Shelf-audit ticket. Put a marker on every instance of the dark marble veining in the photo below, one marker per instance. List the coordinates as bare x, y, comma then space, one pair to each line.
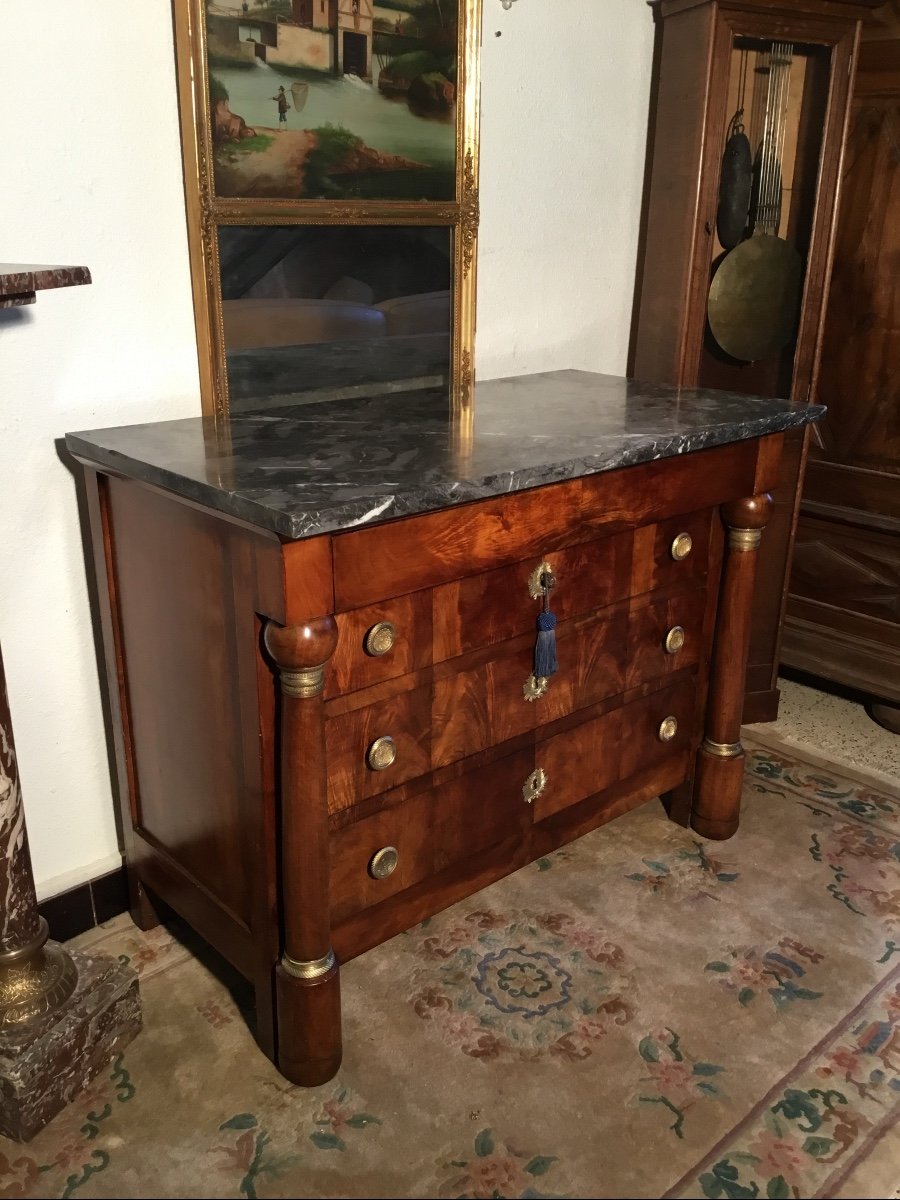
308, 469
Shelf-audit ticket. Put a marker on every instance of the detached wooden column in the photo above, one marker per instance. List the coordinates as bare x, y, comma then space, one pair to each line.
720, 762
308, 995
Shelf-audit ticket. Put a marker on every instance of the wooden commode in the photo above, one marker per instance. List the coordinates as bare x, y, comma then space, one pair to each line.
320, 629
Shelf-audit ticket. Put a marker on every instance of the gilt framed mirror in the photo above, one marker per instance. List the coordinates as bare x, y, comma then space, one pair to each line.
331, 180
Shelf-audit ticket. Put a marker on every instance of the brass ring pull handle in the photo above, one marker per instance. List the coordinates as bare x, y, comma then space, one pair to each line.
540, 578
534, 785
381, 754
380, 639
675, 639
681, 547
668, 729
535, 687
384, 862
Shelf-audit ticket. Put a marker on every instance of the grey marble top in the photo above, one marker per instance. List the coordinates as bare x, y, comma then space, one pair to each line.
304, 469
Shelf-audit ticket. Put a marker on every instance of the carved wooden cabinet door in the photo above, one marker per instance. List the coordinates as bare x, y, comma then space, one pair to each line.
844, 611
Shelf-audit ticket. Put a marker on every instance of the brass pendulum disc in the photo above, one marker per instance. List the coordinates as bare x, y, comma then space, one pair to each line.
754, 300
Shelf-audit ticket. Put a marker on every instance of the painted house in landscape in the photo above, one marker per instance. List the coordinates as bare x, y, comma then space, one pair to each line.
370, 87
324, 35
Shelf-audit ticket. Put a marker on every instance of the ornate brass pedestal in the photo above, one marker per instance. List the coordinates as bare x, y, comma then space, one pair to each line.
62, 1016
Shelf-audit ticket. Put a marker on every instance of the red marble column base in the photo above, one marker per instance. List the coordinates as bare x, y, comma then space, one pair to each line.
46, 1062
309, 1026
719, 784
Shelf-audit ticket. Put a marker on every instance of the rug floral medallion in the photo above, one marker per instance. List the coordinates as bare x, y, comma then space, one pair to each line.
641, 1014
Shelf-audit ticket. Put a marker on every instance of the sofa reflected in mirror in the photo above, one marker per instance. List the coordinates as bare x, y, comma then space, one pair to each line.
313, 313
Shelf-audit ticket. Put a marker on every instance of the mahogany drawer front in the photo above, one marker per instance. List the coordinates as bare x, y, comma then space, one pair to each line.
665, 636
429, 832
405, 718
424, 551
361, 659
593, 756
485, 704
482, 610
643, 742
656, 566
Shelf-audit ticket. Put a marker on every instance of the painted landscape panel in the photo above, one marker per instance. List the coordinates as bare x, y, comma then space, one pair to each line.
333, 99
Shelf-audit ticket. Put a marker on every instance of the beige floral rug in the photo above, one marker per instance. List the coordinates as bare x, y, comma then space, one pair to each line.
639, 1015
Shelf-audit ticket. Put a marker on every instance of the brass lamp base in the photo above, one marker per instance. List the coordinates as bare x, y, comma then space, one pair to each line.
48, 1058
34, 980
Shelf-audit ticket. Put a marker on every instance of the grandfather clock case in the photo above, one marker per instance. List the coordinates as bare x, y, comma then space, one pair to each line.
748, 124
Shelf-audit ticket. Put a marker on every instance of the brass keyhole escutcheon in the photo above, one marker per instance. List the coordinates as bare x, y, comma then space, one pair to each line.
540, 578
668, 729
534, 785
384, 862
535, 687
682, 546
380, 639
675, 639
382, 753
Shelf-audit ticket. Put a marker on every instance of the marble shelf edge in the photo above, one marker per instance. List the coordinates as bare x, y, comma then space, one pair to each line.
20, 282
384, 504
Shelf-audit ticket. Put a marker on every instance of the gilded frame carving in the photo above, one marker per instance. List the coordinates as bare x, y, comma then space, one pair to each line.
206, 212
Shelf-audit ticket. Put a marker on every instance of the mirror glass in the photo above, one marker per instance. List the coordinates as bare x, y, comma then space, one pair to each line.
319, 312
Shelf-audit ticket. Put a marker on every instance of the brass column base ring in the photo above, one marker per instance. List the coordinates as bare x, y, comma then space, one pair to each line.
35, 986
723, 749
309, 970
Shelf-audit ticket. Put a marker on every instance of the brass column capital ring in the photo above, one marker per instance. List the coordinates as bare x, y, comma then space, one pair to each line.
303, 684
744, 540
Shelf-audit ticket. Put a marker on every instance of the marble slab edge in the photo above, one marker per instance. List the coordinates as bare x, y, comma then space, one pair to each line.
378, 507
20, 278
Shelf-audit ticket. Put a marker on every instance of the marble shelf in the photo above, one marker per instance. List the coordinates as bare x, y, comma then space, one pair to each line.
303, 469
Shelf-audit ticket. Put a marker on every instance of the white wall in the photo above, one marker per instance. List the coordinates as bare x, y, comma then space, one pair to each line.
563, 140
92, 175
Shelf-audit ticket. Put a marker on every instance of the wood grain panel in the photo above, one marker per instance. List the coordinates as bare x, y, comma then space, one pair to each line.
484, 704
406, 718
308, 587
670, 487
182, 641
431, 832
844, 607
474, 871
857, 570
647, 630
653, 565
352, 668
375, 564
642, 749
492, 607
580, 762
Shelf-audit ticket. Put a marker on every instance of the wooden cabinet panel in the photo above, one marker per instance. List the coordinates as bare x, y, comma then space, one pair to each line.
648, 629
190, 645
430, 833
844, 607
492, 607
654, 566
592, 652
857, 570
483, 704
579, 762
644, 748
352, 667
405, 718
372, 564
